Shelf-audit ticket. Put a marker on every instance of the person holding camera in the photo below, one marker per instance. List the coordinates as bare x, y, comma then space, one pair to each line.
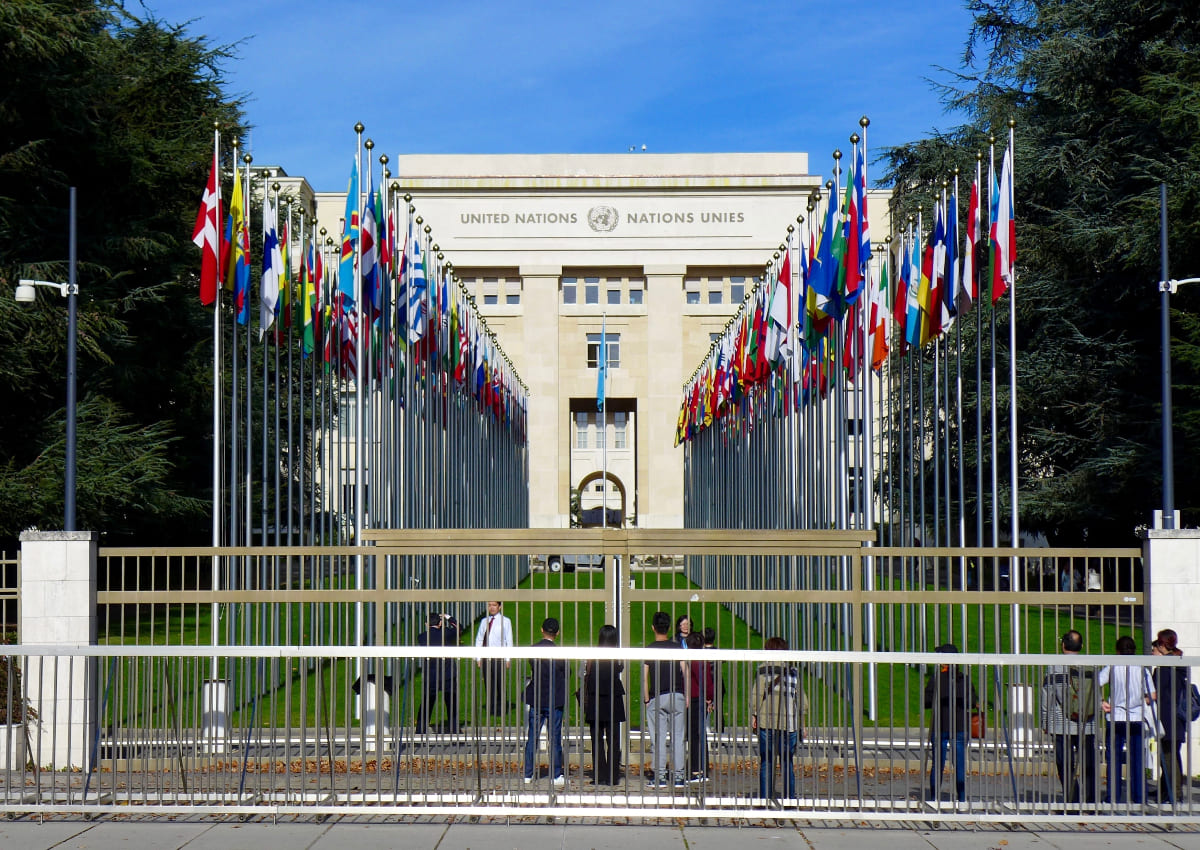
441, 674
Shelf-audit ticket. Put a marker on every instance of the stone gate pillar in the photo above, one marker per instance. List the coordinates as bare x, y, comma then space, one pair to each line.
58, 608
1171, 560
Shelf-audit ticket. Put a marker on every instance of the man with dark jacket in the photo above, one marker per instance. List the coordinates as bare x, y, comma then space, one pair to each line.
441, 674
951, 696
546, 695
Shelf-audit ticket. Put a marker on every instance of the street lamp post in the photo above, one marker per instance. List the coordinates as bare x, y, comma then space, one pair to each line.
1167, 287
26, 293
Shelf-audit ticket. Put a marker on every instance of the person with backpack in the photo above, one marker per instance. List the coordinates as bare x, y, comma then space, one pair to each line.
1069, 700
777, 708
1128, 710
1175, 713
951, 696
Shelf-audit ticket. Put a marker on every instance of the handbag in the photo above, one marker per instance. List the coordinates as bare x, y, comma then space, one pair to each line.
978, 724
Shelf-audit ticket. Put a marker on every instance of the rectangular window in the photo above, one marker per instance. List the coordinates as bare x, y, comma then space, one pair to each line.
614, 296
619, 421
614, 350
636, 288
512, 298
854, 426
714, 296
591, 290
693, 298
490, 298
568, 290
691, 288
737, 290
581, 430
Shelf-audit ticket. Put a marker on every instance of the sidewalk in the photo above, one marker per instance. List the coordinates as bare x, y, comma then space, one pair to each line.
366, 833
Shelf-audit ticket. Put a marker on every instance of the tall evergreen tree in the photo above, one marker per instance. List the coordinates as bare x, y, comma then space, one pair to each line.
123, 109
1105, 95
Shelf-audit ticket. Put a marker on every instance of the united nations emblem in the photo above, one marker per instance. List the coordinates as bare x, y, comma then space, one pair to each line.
603, 219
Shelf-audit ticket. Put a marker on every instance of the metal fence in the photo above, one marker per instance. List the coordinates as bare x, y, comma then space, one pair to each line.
298, 677
175, 729
10, 596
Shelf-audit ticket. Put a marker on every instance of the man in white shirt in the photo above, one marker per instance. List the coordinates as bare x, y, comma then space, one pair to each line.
494, 630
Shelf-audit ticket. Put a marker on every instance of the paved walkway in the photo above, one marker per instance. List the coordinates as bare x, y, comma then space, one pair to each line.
363, 833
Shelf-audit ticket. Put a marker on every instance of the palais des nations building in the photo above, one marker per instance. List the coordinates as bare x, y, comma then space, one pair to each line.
665, 246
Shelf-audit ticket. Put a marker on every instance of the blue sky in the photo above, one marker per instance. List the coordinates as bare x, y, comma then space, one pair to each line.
488, 76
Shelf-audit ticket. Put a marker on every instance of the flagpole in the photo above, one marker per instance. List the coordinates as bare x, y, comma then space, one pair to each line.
1012, 392
214, 611
359, 443
1012, 347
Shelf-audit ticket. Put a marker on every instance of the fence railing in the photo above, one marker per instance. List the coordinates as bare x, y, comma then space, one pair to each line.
10, 595
339, 729
819, 590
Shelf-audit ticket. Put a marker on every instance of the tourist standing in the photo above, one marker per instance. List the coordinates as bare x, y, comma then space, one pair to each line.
1171, 684
441, 674
495, 630
546, 695
1128, 709
777, 709
664, 695
1069, 703
950, 694
604, 710
700, 697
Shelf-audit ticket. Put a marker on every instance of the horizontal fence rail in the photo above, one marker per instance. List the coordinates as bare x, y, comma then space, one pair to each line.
289, 729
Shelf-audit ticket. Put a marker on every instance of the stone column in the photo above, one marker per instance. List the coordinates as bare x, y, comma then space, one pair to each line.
660, 464
58, 608
1171, 561
549, 464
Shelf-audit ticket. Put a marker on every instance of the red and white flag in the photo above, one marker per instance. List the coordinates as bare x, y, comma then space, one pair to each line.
205, 236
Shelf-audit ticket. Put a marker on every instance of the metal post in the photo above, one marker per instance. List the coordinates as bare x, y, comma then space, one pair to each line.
72, 297
1168, 448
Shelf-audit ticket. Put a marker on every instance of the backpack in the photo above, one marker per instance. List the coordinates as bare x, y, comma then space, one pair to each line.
1188, 706
1079, 696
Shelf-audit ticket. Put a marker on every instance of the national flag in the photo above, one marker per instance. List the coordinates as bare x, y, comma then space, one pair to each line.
371, 288
350, 234
238, 273
415, 284
779, 345
1004, 231
850, 270
926, 295
283, 305
968, 292
268, 291
951, 270
912, 312
900, 301
879, 319
823, 286
206, 235
939, 317
860, 203
308, 301
601, 364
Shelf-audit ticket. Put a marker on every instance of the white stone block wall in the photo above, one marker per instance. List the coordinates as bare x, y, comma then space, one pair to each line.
58, 608
1172, 579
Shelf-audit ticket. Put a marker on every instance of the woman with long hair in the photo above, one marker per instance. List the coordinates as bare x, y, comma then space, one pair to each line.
604, 710
1170, 683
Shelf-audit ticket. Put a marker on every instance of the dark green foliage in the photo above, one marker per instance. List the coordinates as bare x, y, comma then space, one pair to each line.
1105, 95
124, 110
